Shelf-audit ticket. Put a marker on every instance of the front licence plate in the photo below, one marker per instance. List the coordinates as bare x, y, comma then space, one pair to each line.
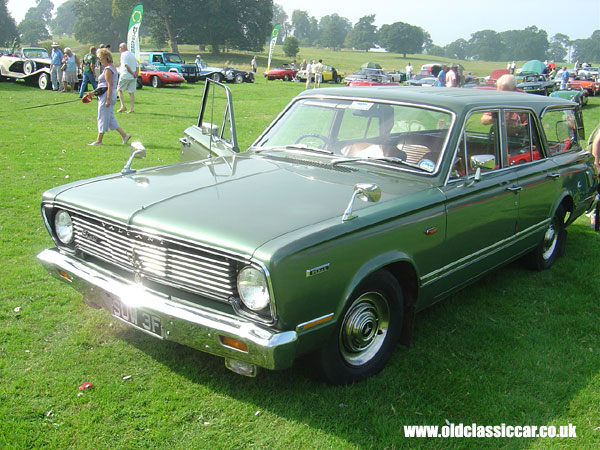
139, 319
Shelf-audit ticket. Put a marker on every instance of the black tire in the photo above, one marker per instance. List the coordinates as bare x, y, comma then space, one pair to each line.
155, 81
366, 332
44, 82
286, 77
338, 79
552, 244
217, 77
239, 78
139, 84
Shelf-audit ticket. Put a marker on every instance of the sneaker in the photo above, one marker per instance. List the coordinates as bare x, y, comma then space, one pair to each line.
95, 143
126, 138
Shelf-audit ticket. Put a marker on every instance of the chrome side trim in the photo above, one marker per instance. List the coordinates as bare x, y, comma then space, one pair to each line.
449, 269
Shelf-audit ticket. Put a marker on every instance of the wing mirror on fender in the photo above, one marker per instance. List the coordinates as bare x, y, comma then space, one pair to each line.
366, 192
139, 151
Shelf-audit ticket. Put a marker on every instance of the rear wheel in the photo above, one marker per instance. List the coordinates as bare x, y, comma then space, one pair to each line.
217, 77
552, 244
366, 333
239, 78
44, 81
286, 77
156, 83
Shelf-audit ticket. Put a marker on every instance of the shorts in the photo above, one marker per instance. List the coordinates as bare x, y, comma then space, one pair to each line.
318, 77
127, 84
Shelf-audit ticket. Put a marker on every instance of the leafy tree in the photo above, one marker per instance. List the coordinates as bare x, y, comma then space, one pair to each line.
436, 50
559, 45
96, 24
364, 34
301, 24
486, 45
41, 12
65, 18
587, 49
32, 31
280, 17
401, 37
291, 47
530, 43
333, 30
8, 27
457, 49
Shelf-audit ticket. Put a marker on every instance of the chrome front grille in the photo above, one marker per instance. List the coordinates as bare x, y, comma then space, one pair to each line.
158, 259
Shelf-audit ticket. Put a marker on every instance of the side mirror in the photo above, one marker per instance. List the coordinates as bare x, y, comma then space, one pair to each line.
139, 151
367, 192
479, 162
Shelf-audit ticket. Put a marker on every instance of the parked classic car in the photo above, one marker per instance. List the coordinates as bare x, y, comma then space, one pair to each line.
151, 76
329, 74
31, 64
574, 92
533, 83
355, 209
368, 74
590, 84
170, 62
422, 81
286, 73
238, 76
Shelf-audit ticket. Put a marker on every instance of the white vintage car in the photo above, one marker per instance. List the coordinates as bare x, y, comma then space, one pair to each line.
31, 64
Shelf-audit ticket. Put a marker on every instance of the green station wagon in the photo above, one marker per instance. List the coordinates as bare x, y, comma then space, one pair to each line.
355, 209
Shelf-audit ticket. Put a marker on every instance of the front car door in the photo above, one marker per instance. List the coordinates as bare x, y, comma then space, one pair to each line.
481, 207
214, 134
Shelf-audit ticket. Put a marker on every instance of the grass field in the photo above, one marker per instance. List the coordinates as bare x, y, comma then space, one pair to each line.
518, 347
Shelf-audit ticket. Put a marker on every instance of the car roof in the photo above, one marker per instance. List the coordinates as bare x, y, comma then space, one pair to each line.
455, 99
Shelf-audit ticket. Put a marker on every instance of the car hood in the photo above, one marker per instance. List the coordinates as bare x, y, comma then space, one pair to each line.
237, 203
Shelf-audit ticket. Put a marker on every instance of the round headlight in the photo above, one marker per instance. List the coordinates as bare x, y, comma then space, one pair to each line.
64, 227
253, 289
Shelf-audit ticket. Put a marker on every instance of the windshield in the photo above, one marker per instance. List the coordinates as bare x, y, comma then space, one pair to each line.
173, 58
35, 53
363, 130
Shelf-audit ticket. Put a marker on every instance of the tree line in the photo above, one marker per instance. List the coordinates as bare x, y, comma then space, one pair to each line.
246, 25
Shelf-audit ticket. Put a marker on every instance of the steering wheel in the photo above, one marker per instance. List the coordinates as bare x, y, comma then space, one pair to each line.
322, 138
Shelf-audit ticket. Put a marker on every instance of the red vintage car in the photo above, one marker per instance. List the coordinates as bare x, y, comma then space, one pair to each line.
372, 83
591, 86
150, 75
286, 73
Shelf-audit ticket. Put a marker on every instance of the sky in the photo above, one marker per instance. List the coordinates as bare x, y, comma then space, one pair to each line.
444, 20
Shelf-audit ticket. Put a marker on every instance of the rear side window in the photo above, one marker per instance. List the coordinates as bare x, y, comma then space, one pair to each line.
560, 127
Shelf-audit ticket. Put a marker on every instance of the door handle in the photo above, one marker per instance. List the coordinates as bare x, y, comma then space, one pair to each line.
554, 175
514, 189
184, 141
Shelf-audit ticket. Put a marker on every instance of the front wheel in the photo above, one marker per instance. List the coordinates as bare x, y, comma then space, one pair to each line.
366, 332
552, 244
44, 81
239, 78
156, 83
286, 77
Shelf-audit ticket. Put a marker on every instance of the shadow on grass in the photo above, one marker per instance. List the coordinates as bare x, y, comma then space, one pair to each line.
517, 347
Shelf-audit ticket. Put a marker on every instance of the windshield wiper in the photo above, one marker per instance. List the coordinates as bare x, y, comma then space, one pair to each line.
294, 147
391, 159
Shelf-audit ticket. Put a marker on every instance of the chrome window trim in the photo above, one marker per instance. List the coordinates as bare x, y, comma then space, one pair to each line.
443, 150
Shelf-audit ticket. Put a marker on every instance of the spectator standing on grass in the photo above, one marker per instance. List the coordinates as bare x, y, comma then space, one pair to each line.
594, 147
303, 65
441, 82
108, 79
309, 69
564, 79
88, 68
254, 64
451, 80
128, 73
199, 63
56, 57
318, 73
71, 63
409, 70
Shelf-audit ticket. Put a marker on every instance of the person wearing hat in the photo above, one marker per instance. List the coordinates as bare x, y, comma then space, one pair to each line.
199, 62
56, 57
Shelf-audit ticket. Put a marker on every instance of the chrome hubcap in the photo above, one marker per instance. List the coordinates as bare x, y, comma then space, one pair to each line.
550, 240
364, 328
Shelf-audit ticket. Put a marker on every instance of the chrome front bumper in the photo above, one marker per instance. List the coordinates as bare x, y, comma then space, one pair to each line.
193, 326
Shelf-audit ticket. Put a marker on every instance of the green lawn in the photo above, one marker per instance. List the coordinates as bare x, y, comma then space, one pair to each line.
518, 347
